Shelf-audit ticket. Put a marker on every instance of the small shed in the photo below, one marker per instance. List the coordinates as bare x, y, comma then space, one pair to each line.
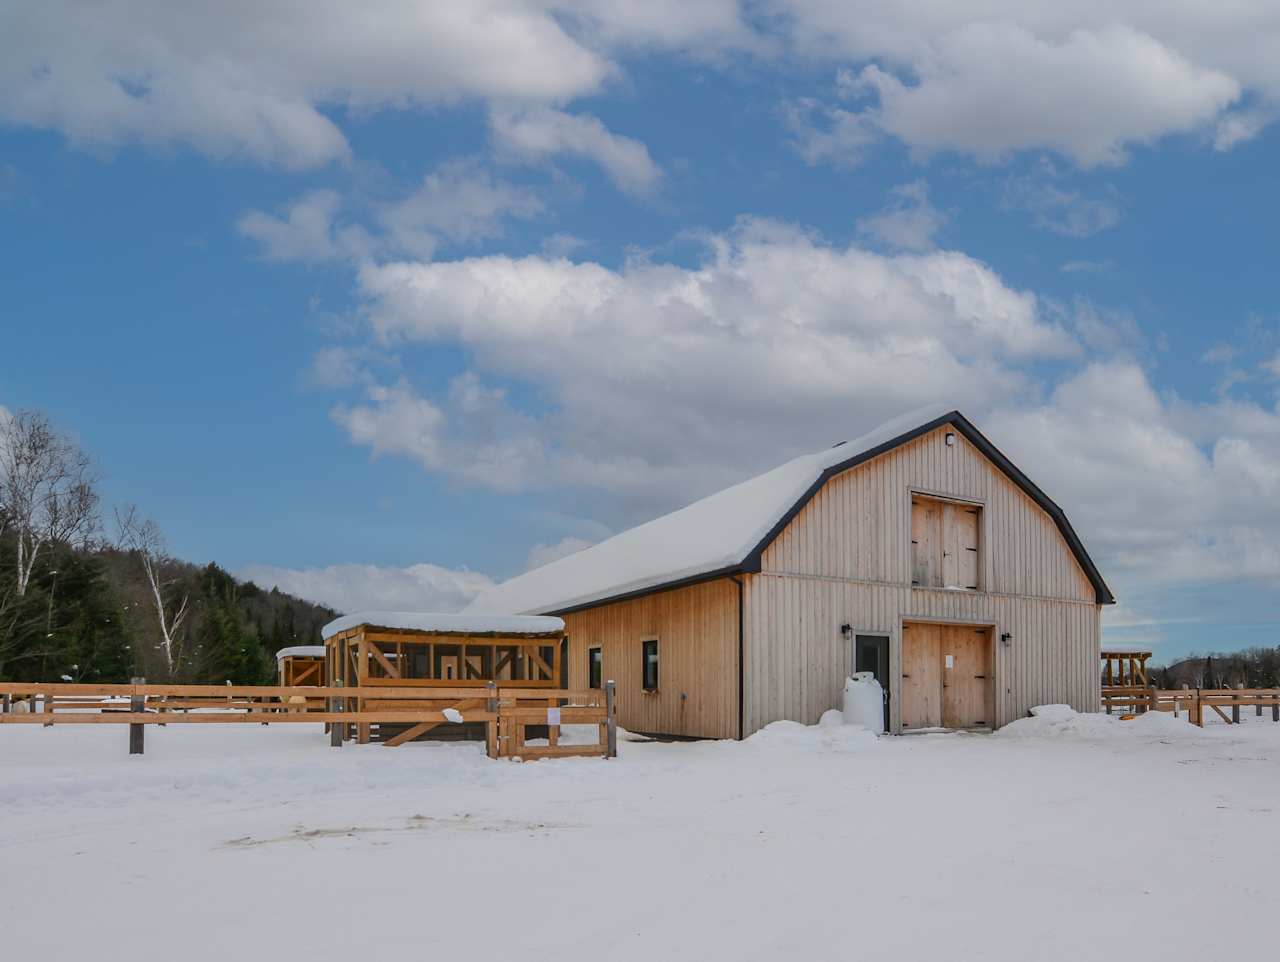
301, 665
402, 649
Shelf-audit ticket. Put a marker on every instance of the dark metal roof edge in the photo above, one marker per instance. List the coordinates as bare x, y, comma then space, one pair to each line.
651, 590
752, 562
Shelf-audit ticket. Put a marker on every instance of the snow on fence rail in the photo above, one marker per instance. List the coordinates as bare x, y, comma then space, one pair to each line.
1193, 701
402, 714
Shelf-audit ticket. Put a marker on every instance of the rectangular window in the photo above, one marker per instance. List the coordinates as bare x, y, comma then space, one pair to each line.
594, 666
649, 664
945, 543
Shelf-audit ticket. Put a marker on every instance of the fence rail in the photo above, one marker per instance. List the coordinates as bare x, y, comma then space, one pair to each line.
405, 712
1193, 701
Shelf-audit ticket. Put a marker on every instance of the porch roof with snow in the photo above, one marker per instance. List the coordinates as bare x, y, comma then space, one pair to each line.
727, 532
301, 651
435, 623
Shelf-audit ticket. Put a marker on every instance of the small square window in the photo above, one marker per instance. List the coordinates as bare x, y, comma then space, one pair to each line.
594, 665
649, 664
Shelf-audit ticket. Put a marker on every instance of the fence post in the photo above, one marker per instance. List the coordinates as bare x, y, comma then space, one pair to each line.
336, 729
137, 703
6, 704
611, 707
1275, 706
491, 726
1235, 708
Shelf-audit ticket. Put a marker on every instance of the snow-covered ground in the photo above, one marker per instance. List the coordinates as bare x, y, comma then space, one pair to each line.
1074, 838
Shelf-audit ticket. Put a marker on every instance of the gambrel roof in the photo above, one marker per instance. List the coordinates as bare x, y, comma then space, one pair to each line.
727, 532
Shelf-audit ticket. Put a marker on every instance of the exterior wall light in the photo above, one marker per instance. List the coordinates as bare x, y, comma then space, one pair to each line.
846, 630
1005, 639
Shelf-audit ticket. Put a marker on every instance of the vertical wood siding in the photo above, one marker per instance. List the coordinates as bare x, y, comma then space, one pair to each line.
846, 559
697, 632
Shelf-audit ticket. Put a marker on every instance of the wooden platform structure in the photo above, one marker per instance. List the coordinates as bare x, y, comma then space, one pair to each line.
439, 655
301, 665
1124, 668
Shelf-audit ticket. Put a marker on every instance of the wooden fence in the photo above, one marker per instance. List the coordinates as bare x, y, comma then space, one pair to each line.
1193, 701
401, 714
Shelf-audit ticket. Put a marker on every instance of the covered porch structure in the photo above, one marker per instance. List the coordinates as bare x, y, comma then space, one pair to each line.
444, 652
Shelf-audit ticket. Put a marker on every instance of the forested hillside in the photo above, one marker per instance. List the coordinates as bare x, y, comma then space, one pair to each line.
91, 599
89, 615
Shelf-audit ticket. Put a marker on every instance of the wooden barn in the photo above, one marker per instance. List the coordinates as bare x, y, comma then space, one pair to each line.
919, 552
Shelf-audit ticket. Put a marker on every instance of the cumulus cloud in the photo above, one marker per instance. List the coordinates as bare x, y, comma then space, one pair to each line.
1170, 492
774, 335
1057, 95
353, 587
542, 133
1088, 79
257, 80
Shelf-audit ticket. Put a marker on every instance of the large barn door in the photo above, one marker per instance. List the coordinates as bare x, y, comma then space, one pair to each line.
966, 674
921, 676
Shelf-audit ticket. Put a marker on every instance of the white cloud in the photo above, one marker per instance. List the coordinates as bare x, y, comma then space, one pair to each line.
1169, 492
826, 134
542, 133
1272, 366
472, 434
1089, 79
1241, 126
256, 79
306, 231
544, 554
458, 204
909, 222
775, 335
1059, 95
354, 587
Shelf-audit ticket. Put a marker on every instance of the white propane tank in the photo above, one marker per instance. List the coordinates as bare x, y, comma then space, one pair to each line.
864, 702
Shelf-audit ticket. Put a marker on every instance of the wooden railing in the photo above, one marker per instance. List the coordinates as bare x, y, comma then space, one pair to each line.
506, 712
1193, 701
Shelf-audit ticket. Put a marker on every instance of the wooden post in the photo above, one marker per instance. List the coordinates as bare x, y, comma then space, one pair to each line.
1235, 709
611, 705
362, 678
137, 703
1275, 706
491, 726
6, 704
336, 729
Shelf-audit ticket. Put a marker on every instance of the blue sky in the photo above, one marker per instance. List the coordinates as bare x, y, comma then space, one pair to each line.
378, 310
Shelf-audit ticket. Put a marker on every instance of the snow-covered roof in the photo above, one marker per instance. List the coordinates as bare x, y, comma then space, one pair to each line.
461, 624
718, 532
726, 531
300, 651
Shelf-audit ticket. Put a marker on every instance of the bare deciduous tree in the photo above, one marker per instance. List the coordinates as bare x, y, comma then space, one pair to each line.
47, 489
144, 538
